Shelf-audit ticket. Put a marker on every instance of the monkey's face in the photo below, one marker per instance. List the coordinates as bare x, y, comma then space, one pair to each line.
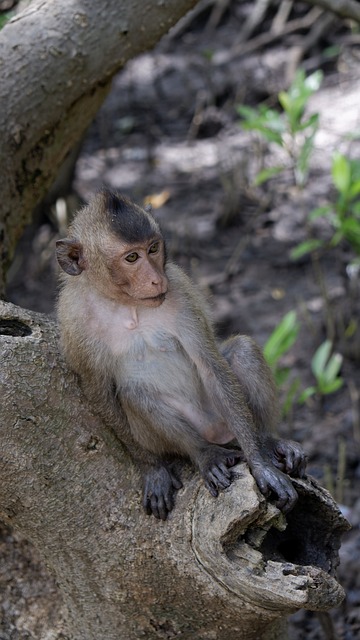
137, 272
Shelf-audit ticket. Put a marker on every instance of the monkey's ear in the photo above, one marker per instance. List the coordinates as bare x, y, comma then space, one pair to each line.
69, 253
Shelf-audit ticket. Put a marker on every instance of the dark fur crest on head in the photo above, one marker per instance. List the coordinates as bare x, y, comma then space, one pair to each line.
132, 223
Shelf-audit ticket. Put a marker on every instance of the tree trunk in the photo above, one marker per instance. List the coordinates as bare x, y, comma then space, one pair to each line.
57, 60
228, 568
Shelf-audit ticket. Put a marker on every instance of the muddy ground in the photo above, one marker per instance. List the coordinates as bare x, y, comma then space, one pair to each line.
169, 132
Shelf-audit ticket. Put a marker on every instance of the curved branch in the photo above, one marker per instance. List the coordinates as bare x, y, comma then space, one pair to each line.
57, 61
66, 484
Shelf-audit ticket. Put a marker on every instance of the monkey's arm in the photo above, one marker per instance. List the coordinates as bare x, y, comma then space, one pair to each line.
223, 387
159, 481
257, 383
227, 395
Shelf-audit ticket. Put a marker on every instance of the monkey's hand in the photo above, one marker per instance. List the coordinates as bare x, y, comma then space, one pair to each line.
158, 493
289, 457
271, 482
215, 465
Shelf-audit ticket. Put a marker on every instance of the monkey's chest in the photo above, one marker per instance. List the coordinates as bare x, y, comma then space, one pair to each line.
159, 360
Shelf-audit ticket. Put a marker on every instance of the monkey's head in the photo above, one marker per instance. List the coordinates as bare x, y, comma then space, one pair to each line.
119, 248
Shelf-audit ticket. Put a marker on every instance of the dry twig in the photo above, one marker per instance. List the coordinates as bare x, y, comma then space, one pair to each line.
267, 38
343, 8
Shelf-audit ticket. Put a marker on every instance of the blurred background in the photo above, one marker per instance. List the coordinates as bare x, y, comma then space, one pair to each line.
242, 130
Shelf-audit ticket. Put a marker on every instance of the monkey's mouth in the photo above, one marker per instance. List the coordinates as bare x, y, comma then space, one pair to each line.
160, 298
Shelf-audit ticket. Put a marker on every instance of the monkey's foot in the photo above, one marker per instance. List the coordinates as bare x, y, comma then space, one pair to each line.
215, 467
160, 485
273, 482
290, 457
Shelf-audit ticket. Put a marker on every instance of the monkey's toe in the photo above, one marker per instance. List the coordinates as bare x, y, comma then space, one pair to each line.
217, 478
160, 485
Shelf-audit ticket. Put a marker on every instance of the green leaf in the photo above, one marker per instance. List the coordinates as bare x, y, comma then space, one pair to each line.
267, 122
354, 189
282, 338
266, 174
355, 209
308, 246
281, 375
306, 394
268, 134
351, 230
333, 367
337, 237
351, 328
314, 80
4, 18
341, 173
285, 100
331, 387
312, 122
320, 358
295, 99
247, 112
319, 212
290, 397
302, 163
326, 369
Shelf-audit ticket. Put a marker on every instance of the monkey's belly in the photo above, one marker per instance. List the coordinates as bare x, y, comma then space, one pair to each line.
206, 422
171, 378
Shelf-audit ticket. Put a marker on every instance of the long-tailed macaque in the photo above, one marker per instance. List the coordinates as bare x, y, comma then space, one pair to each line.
137, 332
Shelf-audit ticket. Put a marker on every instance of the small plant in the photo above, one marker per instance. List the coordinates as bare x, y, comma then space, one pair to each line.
324, 365
335, 482
281, 340
326, 368
344, 214
4, 18
290, 129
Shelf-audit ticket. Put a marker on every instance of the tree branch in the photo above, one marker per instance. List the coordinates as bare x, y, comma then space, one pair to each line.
68, 486
57, 61
343, 8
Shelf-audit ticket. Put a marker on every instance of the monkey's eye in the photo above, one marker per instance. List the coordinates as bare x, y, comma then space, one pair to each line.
132, 257
154, 247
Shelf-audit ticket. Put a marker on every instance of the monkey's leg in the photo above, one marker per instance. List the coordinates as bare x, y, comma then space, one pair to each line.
159, 486
159, 481
256, 380
159, 424
215, 463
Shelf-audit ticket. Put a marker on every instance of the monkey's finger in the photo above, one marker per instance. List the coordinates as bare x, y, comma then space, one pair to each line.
290, 457
220, 477
169, 501
286, 502
147, 508
287, 496
151, 508
157, 507
223, 476
262, 484
300, 466
176, 483
150, 504
232, 457
211, 487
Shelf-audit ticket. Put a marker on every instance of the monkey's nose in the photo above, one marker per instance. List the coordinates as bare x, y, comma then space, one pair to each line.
159, 283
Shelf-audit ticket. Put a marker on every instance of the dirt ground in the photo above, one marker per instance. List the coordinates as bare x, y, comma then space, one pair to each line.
169, 132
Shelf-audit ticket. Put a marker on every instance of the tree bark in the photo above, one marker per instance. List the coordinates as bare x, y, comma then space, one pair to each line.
226, 568
57, 60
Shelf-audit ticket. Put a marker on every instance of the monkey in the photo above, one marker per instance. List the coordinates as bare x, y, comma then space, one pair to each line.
139, 335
